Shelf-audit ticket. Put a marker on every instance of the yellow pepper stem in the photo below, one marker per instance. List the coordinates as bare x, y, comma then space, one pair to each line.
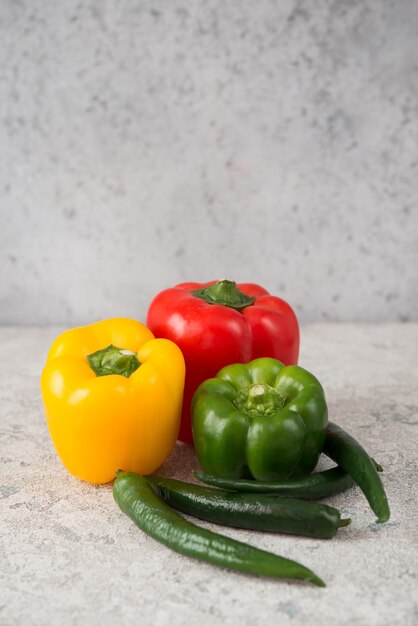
113, 360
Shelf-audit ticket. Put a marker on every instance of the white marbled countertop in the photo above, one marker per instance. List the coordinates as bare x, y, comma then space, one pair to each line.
68, 555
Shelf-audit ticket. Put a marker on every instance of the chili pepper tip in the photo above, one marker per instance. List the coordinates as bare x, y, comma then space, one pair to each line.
317, 581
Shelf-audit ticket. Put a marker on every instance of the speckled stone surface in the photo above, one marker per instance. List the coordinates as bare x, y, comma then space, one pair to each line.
69, 556
273, 142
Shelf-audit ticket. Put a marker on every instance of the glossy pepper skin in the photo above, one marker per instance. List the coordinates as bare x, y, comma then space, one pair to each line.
219, 323
261, 419
100, 423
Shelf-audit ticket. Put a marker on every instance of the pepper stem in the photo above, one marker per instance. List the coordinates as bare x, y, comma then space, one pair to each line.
113, 360
344, 522
259, 399
224, 292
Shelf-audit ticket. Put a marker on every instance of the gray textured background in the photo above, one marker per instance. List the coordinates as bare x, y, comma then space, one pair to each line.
149, 142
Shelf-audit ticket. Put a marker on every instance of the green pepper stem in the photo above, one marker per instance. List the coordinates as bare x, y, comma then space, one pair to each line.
259, 399
113, 360
226, 293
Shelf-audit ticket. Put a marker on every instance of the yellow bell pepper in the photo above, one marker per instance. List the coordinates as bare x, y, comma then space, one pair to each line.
101, 421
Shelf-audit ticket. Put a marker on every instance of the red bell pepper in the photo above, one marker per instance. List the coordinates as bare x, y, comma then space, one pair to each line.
219, 323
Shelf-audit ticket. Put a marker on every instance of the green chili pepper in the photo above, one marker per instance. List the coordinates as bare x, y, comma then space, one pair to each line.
257, 512
260, 419
136, 498
351, 456
313, 487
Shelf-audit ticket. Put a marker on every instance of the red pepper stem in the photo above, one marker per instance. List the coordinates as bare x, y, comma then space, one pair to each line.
226, 293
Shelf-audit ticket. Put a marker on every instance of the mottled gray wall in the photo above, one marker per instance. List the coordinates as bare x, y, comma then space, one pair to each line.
149, 142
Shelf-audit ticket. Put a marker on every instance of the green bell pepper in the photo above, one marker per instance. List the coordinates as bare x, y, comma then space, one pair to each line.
260, 419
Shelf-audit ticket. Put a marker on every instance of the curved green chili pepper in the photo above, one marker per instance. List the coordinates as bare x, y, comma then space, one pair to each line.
254, 511
351, 456
313, 487
136, 498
